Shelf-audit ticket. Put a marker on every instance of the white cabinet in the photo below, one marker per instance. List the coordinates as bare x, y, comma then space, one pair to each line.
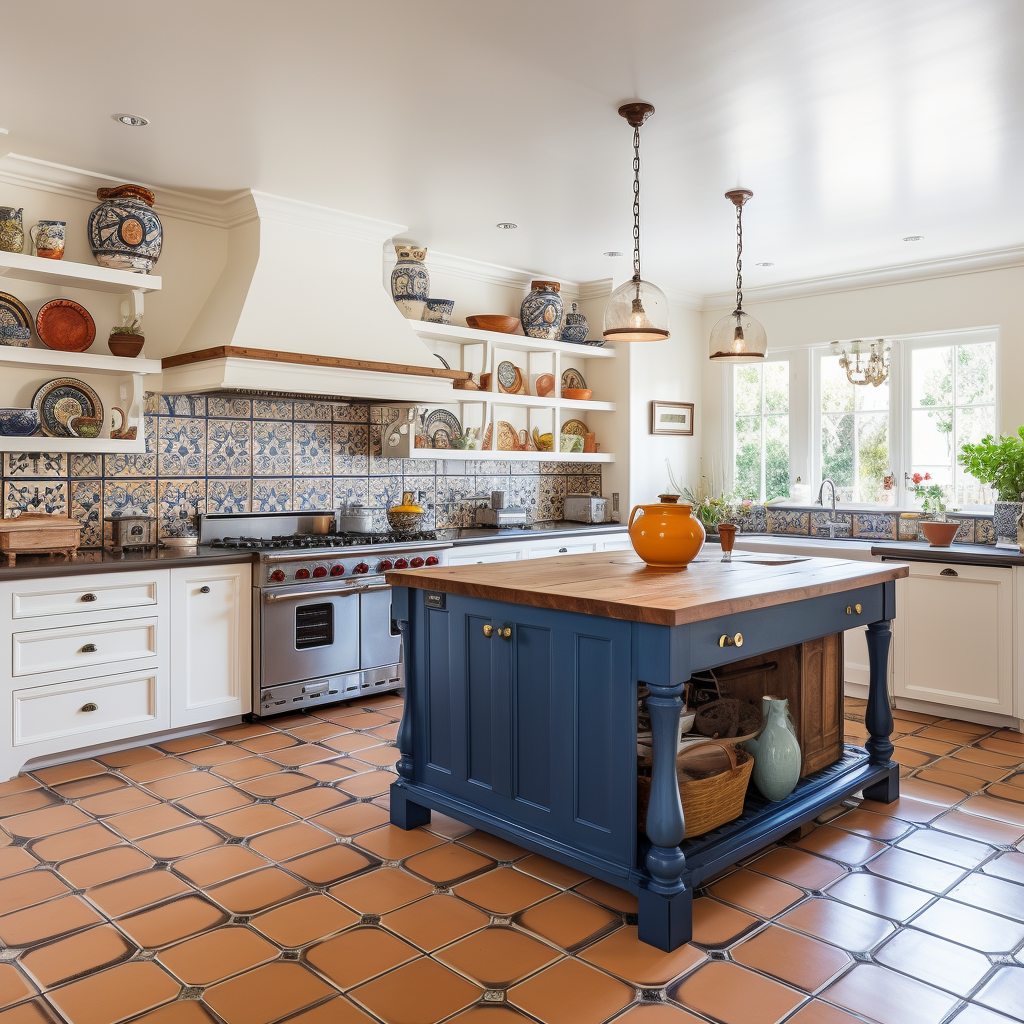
954, 641
569, 546
211, 650
615, 542
479, 554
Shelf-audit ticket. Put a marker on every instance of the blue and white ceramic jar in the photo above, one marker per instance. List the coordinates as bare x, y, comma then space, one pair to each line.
574, 327
541, 312
124, 232
410, 279
12, 229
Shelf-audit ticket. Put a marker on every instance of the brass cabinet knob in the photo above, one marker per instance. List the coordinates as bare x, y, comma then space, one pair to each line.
505, 632
89, 649
730, 641
89, 597
856, 608
90, 707
488, 630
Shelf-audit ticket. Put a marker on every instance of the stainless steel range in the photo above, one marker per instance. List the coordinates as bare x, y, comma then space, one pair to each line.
322, 629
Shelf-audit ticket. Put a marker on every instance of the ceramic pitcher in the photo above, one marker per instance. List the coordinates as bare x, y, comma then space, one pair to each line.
12, 229
667, 536
776, 751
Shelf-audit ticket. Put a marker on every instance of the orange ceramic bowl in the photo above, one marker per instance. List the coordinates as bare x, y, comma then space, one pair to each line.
667, 536
577, 394
502, 324
939, 535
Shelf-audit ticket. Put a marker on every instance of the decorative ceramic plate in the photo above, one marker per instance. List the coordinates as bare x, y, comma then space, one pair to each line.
443, 428
14, 312
60, 400
577, 427
510, 378
508, 439
573, 379
545, 385
65, 326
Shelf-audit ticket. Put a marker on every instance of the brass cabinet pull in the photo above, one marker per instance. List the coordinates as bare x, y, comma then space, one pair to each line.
730, 641
204, 590
89, 649
505, 632
856, 608
90, 707
488, 631
89, 597
949, 572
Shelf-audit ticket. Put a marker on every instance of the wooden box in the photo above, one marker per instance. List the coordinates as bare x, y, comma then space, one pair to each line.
37, 533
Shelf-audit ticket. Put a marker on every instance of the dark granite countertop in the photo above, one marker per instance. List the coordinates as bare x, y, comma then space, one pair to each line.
957, 554
560, 528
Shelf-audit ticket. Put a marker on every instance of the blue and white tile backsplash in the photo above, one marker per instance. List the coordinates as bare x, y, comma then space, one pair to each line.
232, 454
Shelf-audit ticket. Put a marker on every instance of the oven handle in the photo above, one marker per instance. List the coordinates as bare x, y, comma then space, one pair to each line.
312, 595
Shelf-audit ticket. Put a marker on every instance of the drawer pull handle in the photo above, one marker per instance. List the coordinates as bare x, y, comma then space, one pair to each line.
730, 641
856, 608
204, 590
488, 631
949, 572
90, 707
89, 597
89, 649
505, 632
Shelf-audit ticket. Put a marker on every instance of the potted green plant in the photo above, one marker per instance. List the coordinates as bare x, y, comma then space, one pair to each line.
1000, 463
128, 339
936, 529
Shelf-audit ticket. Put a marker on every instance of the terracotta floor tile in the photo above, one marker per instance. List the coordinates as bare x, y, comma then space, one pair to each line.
14, 986
715, 924
301, 754
218, 864
392, 843
115, 994
843, 926
359, 954
446, 864
435, 921
329, 865
266, 994
1004, 991
817, 1012
960, 766
365, 720
125, 895
1001, 746
888, 997
216, 955
610, 896
1005, 792
348, 742
934, 961
171, 922
310, 802
117, 801
69, 772
492, 846
64, 845
163, 767
90, 786
992, 807
352, 819
186, 744
550, 871
125, 758
381, 756
954, 780
798, 868
34, 924
339, 1010
879, 895
622, 954
90, 950
105, 866
278, 784
14, 860
971, 927
971, 826
291, 841
912, 869
906, 808
186, 784
246, 769
183, 1011
1009, 735
841, 846
567, 920
251, 821
326, 771
1007, 865
924, 744
45, 822
912, 758
19, 784
303, 920
179, 842
989, 757
654, 1013
875, 826
211, 756
149, 821
945, 847
255, 891
756, 893
421, 992
734, 995
504, 891
216, 801
368, 784
317, 731
30, 800
796, 959
993, 894
265, 740
387, 732
26, 890
930, 793
380, 891
498, 957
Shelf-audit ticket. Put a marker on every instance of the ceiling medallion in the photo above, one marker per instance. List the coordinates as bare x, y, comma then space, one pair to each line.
875, 370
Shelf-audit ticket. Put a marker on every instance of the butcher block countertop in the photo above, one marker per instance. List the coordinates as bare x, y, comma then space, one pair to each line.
618, 585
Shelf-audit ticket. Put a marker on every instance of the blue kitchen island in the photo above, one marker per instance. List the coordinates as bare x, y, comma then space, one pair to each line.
521, 704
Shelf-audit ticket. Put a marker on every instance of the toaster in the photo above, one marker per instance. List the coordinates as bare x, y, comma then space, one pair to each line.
580, 508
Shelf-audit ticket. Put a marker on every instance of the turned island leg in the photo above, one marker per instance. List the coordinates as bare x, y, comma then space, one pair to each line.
404, 813
878, 717
666, 905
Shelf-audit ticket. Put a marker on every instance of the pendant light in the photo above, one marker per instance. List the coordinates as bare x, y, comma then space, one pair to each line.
636, 310
738, 337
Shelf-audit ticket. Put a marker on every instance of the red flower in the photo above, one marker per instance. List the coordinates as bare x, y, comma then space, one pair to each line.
927, 476
917, 478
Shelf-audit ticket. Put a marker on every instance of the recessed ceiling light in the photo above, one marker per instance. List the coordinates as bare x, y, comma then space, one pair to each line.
506, 225
764, 264
132, 120
613, 253
4, 131
913, 238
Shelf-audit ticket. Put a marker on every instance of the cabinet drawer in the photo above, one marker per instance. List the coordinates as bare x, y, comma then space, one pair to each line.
38, 598
84, 646
567, 547
74, 709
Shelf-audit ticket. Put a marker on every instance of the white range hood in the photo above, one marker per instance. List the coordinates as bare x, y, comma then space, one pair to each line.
301, 308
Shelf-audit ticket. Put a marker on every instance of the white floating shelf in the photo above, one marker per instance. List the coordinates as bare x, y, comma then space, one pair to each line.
531, 401
75, 275
49, 360
461, 453
514, 342
41, 443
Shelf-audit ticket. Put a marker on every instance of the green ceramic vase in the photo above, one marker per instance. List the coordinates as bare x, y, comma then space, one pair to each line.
776, 751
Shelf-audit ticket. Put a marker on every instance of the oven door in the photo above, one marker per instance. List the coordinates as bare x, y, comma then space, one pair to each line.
306, 633
380, 642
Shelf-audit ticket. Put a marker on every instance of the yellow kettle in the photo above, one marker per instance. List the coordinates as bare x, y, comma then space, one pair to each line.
667, 536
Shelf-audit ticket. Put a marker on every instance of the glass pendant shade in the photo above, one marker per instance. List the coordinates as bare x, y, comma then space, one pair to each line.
738, 338
636, 311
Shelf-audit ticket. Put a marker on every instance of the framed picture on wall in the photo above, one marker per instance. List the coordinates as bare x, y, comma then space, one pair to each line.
672, 418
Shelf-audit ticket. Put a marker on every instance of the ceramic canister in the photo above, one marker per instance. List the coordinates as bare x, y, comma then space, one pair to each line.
12, 229
574, 327
48, 238
124, 231
410, 279
541, 312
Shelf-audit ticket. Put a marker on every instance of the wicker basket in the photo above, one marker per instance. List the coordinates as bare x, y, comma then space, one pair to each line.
713, 779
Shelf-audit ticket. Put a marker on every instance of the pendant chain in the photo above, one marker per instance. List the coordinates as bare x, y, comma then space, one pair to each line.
739, 257
636, 203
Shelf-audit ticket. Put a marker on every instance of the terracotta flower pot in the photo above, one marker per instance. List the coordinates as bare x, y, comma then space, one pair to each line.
127, 345
939, 535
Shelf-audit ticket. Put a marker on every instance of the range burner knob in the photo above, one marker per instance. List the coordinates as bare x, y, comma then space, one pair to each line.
337, 570
384, 565
320, 571
361, 568
432, 560
277, 576
401, 563
416, 562
302, 574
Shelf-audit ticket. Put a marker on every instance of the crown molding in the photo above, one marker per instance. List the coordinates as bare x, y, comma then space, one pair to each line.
324, 218
599, 289
493, 273
926, 270
689, 300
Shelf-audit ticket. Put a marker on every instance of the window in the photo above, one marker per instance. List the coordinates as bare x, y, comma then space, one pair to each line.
761, 430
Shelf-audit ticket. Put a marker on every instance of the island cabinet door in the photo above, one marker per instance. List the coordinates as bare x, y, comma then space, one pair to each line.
536, 721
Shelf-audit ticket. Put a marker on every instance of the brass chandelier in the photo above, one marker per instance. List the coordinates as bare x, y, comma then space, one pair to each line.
875, 369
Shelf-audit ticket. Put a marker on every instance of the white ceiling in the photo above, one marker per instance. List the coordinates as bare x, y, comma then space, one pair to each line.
854, 123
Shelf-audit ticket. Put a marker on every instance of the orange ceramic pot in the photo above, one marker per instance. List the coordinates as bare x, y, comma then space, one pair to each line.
666, 535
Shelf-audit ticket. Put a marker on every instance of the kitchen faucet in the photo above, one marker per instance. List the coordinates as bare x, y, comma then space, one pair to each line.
833, 526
